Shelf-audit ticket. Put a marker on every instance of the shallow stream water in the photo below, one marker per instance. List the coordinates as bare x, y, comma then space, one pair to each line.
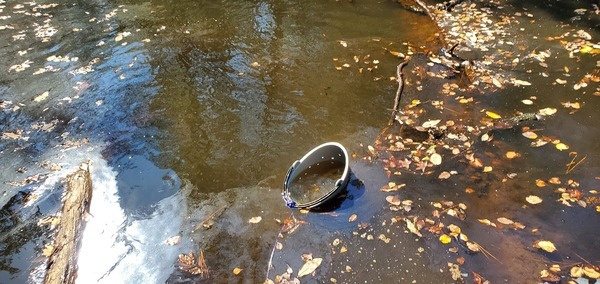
189, 108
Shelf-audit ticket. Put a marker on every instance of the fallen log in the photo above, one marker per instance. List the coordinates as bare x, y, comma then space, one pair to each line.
62, 262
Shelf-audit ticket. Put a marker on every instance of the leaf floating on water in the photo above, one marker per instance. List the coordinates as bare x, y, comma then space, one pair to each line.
309, 267
532, 199
412, 228
431, 123
444, 175
547, 111
493, 115
530, 135
549, 276
591, 272
545, 245
518, 82
445, 239
436, 159
512, 155
527, 102
237, 271
394, 200
255, 220
562, 146
486, 222
48, 250
576, 271
540, 183
352, 218
505, 221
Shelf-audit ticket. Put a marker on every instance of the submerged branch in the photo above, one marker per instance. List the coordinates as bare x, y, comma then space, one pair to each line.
400, 80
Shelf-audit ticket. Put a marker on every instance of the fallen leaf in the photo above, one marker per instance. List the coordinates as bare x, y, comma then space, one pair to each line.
436, 159
444, 175
545, 245
554, 180
505, 221
532, 199
518, 82
48, 249
352, 218
540, 183
527, 102
278, 246
431, 123
591, 272
512, 155
576, 271
309, 267
412, 228
394, 200
445, 239
237, 271
486, 222
493, 115
562, 146
487, 169
547, 111
530, 134
255, 220
549, 276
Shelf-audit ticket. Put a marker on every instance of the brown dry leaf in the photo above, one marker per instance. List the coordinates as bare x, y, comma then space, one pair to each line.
444, 175
309, 267
394, 200
530, 135
545, 245
412, 228
255, 220
505, 221
532, 199
549, 276
237, 271
352, 218
554, 180
540, 183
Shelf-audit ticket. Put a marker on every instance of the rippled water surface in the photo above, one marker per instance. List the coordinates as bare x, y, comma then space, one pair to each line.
194, 110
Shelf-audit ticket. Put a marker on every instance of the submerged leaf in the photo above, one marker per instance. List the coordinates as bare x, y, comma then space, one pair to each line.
309, 267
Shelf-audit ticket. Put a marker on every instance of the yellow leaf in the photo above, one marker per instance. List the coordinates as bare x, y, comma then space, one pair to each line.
562, 146
237, 271
576, 271
527, 102
397, 54
487, 169
445, 239
512, 155
309, 267
591, 272
545, 245
486, 222
532, 199
493, 115
352, 218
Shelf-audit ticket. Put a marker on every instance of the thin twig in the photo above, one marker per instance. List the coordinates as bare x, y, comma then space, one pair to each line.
424, 7
208, 218
572, 165
400, 80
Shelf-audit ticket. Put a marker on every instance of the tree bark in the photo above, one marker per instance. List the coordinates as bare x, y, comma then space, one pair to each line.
62, 262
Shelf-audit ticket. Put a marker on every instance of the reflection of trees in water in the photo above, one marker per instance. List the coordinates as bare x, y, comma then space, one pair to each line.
18, 228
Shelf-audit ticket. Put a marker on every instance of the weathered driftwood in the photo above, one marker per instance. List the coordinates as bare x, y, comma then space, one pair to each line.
62, 263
